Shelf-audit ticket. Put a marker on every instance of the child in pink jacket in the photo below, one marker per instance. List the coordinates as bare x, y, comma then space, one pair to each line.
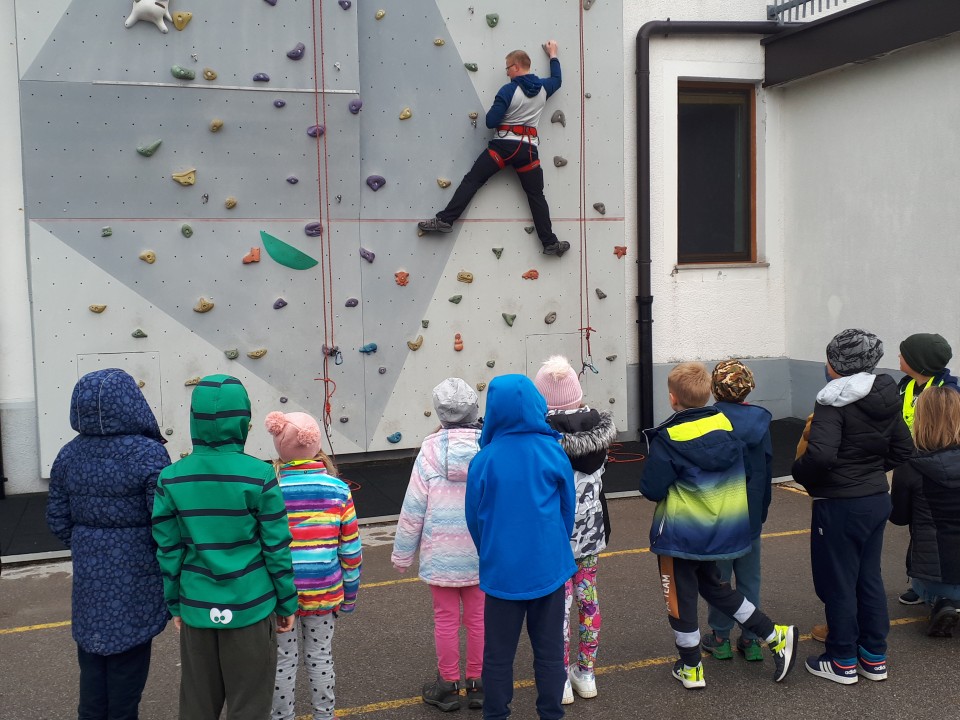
432, 518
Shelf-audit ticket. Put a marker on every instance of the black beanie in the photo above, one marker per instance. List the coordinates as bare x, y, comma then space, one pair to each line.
926, 353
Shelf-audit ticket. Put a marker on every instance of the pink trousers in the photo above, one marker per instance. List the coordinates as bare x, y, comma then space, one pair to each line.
447, 621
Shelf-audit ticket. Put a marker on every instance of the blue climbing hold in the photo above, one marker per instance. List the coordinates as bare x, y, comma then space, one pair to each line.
394, 438
355, 106
261, 77
297, 51
369, 348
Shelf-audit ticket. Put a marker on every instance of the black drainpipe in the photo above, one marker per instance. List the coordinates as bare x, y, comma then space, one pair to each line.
3, 477
645, 299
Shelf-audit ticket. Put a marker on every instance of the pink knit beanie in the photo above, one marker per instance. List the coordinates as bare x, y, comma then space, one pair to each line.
557, 381
296, 435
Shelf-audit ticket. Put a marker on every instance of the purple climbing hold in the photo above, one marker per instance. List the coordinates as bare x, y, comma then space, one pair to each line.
293, 179
297, 52
345, 4
355, 105
279, 103
316, 130
367, 255
280, 303
351, 302
376, 182
261, 77
314, 229
272, 3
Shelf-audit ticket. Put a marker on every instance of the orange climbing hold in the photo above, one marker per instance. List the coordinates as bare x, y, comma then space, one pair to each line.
457, 342
531, 275
252, 256
402, 277
619, 250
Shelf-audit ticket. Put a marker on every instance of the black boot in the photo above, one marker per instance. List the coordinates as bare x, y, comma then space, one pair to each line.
474, 693
444, 694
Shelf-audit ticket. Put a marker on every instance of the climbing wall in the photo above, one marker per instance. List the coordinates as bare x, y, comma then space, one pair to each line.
240, 193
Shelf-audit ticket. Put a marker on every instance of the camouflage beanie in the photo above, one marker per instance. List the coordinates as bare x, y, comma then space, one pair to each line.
732, 381
853, 351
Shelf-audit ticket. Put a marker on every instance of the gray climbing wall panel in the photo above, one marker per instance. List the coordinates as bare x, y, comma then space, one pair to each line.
92, 92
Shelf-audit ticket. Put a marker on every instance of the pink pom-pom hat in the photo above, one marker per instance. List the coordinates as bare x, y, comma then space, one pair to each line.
296, 435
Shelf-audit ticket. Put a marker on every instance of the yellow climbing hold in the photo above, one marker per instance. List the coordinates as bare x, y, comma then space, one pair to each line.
148, 256
257, 354
203, 305
192, 381
439, 42
97, 308
443, 182
141, 384
406, 114
481, 386
209, 74
380, 14
465, 277
187, 177
415, 344
230, 203
182, 19
216, 124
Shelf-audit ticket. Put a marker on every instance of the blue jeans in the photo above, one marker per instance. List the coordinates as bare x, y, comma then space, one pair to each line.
747, 571
503, 620
932, 591
111, 685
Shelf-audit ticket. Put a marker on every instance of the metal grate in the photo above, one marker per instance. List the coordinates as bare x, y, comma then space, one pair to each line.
800, 10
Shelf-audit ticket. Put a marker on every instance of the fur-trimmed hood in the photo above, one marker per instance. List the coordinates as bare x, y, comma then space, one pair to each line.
586, 436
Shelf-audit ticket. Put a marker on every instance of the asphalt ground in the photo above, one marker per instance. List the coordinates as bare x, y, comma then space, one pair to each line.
384, 651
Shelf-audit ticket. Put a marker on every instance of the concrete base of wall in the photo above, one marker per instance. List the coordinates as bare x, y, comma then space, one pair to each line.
21, 450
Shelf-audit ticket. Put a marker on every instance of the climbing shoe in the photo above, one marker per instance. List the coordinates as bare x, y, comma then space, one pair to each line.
474, 688
444, 694
434, 225
783, 645
750, 649
557, 247
717, 646
691, 677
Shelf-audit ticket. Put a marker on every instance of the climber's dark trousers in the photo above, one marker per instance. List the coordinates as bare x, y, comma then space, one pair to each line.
531, 180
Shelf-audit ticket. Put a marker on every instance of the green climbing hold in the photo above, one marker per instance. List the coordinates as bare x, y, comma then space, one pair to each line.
491, 363
149, 150
493, 19
498, 252
472, 67
455, 299
138, 333
182, 73
285, 254
509, 318
424, 324
186, 230
106, 231
232, 354
529, 229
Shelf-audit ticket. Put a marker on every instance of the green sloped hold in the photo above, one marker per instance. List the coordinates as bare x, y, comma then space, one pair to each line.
286, 254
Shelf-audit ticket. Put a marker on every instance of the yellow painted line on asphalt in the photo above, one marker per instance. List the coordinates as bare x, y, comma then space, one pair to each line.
637, 551
28, 628
792, 489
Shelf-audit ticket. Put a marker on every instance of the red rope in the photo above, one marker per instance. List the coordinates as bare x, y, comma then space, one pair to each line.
616, 455
586, 358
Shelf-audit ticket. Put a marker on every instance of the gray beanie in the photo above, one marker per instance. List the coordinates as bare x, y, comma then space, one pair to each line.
455, 402
853, 351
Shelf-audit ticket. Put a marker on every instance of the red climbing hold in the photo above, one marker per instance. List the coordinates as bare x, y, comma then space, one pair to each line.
619, 250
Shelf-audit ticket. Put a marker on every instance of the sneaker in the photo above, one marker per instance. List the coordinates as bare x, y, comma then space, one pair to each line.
717, 646
558, 248
584, 682
691, 677
943, 619
434, 225
826, 667
819, 632
474, 688
750, 649
874, 668
567, 693
444, 694
910, 598
783, 645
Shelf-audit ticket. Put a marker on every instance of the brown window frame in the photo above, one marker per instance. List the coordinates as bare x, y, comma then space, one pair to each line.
749, 91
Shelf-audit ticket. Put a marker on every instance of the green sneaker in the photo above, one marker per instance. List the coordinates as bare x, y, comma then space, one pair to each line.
717, 646
750, 649
691, 677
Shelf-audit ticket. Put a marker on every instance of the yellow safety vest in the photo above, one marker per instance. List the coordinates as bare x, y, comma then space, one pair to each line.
909, 400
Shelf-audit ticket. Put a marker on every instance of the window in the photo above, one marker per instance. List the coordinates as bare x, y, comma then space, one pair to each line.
716, 189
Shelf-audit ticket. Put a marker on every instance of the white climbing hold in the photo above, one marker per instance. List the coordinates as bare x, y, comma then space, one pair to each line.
155, 11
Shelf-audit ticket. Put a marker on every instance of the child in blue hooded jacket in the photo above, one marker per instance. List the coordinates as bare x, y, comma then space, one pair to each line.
520, 508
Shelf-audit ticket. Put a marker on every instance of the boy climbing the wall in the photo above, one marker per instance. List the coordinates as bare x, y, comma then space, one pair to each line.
515, 115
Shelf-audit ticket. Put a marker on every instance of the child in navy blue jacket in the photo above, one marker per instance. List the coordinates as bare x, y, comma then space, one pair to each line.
731, 383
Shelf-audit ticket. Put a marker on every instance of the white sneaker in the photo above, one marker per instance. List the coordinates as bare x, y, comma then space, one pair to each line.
567, 693
584, 682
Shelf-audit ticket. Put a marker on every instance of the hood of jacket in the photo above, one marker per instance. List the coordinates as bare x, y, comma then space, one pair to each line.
450, 452
846, 390
530, 84
691, 435
750, 422
941, 467
109, 402
595, 434
514, 405
220, 414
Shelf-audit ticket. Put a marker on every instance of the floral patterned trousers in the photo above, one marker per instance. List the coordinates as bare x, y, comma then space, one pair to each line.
588, 610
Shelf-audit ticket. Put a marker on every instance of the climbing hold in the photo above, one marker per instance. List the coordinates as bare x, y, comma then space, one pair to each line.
472, 67
600, 293
187, 177
473, 115
182, 73
230, 203
481, 386
97, 308
529, 229
424, 324
195, 380
427, 413
337, 66
491, 363
252, 257
316, 130
355, 106
498, 252
283, 399
205, 198
612, 401
395, 437
154, 12
186, 230
351, 302
261, 77
559, 117
367, 255
530, 274
455, 299
313, 229
382, 370
457, 342
379, 15
298, 50
414, 345
182, 19
285, 254
587, 4
493, 19
257, 354
279, 103
611, 358
345, 4
216, 124
402, 277
344, 418
406, 114
439, 42
559, 161
600, 208
550, 318
149, 150
209, 74
232, 353
375, 182
184, 454
420, 232
203, 305
279, 303
148, 256
138, 333
619, 250
508, 318
271, 3
106, 231
587, 95
168, 431
369, 348
443, 182
293, 179
465, 277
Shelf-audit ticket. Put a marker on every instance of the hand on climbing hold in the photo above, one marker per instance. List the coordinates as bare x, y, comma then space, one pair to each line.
550, 48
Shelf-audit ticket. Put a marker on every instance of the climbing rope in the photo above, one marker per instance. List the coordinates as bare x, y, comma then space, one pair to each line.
616, 455
586, 355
